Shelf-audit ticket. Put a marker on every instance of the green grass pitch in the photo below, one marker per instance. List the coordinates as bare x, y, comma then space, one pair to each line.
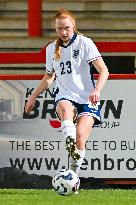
50, 197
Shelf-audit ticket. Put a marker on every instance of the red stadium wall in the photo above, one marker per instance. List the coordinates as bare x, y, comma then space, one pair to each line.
40, 57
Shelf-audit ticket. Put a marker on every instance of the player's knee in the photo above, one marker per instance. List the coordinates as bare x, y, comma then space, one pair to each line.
65, 108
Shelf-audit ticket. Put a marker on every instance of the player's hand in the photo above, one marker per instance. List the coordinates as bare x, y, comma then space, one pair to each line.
30, 104
95, 97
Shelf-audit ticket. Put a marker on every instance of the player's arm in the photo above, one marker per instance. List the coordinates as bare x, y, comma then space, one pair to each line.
103, 76
44, 85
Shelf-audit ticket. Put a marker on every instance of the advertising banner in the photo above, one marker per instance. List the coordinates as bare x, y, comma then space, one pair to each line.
35, 143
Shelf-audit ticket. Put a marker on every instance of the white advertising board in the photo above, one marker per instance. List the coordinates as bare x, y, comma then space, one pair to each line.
34, 142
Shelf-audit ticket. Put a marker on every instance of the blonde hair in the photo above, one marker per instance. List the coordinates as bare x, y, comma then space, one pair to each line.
60, 15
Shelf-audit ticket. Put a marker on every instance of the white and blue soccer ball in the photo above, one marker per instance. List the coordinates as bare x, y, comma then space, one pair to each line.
66, 182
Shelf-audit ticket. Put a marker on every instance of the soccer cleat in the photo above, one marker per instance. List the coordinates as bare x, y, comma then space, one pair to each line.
71, 147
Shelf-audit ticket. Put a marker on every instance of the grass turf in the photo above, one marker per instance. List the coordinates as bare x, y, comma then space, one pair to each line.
50, 197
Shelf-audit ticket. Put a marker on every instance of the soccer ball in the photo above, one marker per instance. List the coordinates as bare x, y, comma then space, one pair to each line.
66, 182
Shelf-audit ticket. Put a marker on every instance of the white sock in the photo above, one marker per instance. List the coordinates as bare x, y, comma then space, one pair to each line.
68, 129
76, 164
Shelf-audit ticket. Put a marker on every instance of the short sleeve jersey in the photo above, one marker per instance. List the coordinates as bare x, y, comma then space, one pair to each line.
74, 79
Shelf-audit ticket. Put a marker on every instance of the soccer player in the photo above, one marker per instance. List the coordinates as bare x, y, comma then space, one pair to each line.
68, 61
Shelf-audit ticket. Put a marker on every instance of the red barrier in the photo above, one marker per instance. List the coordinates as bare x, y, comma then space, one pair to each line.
40, 57
35, 17
23, 57
116, 47
40, 76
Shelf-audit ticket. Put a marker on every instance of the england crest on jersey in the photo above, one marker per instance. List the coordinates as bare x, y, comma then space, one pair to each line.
75, 53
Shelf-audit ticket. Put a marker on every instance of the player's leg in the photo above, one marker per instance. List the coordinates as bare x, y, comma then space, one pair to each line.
65, 111
88, 115
83, 130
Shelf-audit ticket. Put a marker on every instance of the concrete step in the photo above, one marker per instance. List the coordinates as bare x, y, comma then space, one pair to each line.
100, 35
73, 5
13, 23
13, 14
13, 5
104, 22
98, 14
36, 43
21, 70
13, 33
88, 1
85, 21
20, 43
18, 15
50, 5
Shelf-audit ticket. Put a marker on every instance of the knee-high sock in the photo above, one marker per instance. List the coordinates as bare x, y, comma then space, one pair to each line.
68, 129
76, 164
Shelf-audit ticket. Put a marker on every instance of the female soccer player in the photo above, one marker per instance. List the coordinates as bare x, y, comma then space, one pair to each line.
69, 59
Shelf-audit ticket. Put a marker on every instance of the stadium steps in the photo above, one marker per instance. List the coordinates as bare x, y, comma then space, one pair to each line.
100, 20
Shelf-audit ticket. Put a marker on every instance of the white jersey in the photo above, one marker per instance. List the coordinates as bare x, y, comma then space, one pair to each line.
74, 80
